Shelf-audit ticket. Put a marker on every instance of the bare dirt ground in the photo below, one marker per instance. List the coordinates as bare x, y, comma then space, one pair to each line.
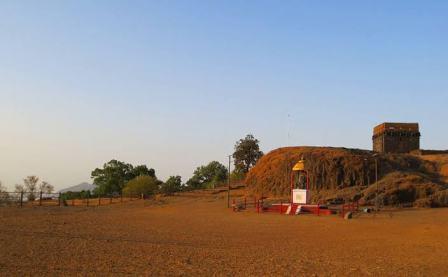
197, 235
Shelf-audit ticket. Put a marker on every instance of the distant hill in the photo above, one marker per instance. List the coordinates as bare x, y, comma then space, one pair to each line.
78, 188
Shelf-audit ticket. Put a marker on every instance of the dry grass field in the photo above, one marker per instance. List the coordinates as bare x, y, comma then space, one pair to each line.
196, 235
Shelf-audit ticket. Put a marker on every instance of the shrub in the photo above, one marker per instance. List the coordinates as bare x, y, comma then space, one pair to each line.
69, 195
146, 185
440, 199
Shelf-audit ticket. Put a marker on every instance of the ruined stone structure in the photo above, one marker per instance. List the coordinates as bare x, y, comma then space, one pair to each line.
396, 138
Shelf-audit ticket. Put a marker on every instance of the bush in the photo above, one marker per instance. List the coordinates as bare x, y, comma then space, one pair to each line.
440, 199
69, 195
146, 185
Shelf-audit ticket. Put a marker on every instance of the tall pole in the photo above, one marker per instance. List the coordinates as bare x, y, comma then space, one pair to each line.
376, 181
376, 172
228, 184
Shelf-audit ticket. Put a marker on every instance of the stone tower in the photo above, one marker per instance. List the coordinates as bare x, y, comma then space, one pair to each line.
396, 138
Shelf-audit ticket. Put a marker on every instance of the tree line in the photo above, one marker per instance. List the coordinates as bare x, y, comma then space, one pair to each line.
119, 177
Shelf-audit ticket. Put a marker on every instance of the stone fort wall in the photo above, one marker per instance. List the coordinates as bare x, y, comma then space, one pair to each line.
396, 138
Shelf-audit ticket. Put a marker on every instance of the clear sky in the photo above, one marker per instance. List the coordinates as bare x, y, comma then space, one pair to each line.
173, 84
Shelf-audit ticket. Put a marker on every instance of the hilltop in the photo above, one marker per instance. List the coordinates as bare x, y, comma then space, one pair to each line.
339, 174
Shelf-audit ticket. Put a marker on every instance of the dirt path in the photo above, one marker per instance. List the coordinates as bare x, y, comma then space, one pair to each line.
198, 236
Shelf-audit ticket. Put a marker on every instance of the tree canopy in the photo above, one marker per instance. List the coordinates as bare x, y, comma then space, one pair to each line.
172, 185
115, 174
208, 176
247, 153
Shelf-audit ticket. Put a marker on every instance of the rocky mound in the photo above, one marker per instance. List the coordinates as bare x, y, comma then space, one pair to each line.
340, 174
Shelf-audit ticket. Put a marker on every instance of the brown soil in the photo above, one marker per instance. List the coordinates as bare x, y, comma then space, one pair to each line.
340, 174
194, 234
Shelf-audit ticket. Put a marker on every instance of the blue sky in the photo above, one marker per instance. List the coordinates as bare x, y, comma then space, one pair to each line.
173, 84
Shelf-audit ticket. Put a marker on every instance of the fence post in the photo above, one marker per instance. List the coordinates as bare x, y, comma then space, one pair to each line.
40, 199
21, 199
99, 199
88, 197
59, 199
121, 196
110, 199
258, 206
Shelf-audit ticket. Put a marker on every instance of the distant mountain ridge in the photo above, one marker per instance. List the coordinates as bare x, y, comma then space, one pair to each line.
79, 188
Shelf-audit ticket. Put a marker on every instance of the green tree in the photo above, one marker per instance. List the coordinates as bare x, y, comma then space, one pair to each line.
172, 185
141, 170
208, 176
143, 184
115, 174
247, 153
